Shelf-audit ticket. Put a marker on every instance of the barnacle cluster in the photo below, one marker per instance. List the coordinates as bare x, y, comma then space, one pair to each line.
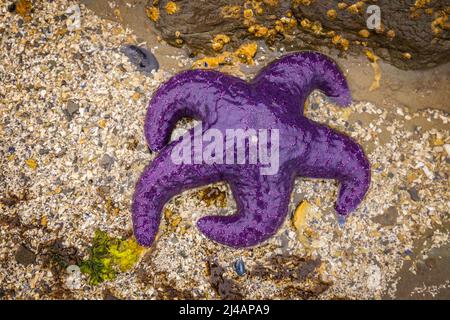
244, 54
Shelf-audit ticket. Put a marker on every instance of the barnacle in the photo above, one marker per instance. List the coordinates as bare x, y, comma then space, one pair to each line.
219, 41
152, 13
332, 14
171, 7
233, 12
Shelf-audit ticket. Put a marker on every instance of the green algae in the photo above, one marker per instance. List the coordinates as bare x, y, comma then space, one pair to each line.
109, 256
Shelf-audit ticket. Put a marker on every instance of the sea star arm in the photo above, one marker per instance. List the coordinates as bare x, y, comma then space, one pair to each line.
193, 93
327, 154
160, 181
262, 205
290, 80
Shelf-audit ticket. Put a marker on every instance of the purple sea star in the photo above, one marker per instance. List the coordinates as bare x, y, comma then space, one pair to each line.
273, 100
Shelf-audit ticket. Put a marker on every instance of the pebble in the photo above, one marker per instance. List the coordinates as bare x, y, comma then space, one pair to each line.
106, 162
142, 58
71, 109
12, 7
73, 278
25, 256
414, 194
43, 151
239, 267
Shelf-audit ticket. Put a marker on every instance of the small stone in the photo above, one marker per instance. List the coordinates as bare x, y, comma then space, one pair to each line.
414, 194
142, 58
107, 295
239, 267
71, 109
73, 278
73, 21
106, 162
102, 123
12, 8
25, 256
43, 151
314, 106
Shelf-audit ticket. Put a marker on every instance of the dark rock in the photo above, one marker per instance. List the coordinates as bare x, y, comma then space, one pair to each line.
142, 58
414, 194
239, 267
12, 8
43, 151
409, 37
72, 107
388, 218
183, 254
25, 256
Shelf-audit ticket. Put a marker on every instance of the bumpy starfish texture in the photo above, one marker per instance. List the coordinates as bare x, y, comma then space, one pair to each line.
273, 100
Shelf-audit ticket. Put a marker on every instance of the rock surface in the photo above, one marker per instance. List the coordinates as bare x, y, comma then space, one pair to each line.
413, 34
